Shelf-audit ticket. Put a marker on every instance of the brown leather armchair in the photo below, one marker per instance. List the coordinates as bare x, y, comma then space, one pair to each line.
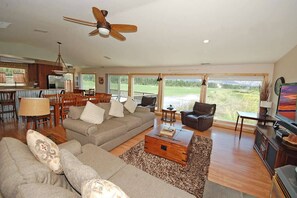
149, 102
201, 118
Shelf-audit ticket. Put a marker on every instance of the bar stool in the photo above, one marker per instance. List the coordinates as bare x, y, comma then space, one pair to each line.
7, 103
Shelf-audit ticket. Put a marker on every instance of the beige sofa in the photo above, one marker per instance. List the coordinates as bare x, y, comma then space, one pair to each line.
22, 176
112, 132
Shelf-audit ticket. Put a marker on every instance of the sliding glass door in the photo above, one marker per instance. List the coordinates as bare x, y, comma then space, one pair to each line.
118, 86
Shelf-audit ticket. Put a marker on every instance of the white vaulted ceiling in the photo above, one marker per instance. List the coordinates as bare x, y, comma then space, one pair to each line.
170, 32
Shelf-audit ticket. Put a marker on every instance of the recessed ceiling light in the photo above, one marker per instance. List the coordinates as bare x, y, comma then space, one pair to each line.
4, 24
206, 41
205, 63
107, 57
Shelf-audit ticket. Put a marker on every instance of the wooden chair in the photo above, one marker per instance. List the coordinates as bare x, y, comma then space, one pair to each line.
7, 103
82, 100
94, 99
105, 98
67, 101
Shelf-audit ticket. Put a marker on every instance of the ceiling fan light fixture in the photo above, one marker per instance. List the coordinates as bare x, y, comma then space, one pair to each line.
104, 31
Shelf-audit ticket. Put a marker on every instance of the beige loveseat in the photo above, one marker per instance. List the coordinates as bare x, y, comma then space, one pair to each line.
113, 131
22, 176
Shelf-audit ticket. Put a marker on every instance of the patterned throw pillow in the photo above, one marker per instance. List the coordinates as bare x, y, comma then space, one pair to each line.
75, 171
130, 105
100, 188
92, 114
45, 150
116, 109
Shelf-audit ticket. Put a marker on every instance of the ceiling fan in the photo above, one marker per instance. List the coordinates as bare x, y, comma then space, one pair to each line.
103, 27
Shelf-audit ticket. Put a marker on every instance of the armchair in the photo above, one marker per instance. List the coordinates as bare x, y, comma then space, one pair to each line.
149, 102
201, 118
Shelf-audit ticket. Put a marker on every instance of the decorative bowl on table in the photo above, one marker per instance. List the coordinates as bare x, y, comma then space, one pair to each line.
170, 107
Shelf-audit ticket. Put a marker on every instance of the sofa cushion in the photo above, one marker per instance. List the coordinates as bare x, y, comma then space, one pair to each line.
37, 190
98, 188
103, 162
75, 112
92, 114
116, 109
106, 107
132, 122
45, 150
145, 116
75, 171
130, 105
79, 126
137, 183
19, 166
106, 131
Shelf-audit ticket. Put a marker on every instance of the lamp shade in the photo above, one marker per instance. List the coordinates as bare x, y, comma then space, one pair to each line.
265, 104
34, 107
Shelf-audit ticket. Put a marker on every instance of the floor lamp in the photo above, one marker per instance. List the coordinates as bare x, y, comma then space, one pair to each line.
33, 108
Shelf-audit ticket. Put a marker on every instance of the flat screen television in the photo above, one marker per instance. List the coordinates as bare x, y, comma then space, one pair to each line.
286, 107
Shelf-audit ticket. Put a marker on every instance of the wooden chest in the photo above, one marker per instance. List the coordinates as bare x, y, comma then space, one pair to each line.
175, 149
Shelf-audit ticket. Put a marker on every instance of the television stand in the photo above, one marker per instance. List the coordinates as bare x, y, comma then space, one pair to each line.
271, 150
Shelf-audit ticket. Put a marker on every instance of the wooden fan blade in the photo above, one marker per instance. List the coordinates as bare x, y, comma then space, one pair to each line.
124, 27
79, 21
117, 35
98, 15
94, 32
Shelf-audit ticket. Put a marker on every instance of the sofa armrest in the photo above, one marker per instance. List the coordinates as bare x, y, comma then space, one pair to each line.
183, 115
73, 146
79, 126
142, 109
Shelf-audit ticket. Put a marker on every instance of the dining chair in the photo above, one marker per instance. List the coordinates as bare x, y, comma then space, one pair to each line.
7, 103
82, 100
105, 98
67, 101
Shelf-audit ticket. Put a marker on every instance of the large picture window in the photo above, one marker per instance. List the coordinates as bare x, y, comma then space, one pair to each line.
145, 86
88, 81
232, 94
118, 86
181, 92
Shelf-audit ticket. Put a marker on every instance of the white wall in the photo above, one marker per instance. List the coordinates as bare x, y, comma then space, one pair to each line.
287, 68
201, 69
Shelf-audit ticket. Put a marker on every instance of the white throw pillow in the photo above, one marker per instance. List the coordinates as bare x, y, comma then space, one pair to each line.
116, 109
100, 188
75, 171
92, 114
45, 150
130, 105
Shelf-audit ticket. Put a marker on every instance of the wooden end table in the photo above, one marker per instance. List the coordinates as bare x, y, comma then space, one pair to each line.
175, 149
168, 115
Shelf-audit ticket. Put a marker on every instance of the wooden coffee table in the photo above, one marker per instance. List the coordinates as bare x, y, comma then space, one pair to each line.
175, 149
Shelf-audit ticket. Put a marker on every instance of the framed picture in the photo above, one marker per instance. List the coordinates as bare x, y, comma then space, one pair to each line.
101, 80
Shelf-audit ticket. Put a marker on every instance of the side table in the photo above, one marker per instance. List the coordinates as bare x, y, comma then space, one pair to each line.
168, 115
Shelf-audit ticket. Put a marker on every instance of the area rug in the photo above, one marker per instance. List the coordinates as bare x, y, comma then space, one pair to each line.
190, 178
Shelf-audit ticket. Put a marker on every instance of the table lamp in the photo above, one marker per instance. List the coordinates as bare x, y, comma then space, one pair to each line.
266, 105
34, 107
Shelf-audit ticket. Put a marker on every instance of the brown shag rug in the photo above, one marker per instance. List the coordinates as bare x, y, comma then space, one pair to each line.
190, 178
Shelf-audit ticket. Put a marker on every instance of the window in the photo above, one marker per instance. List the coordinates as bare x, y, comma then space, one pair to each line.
118, 86
181, 92
145, 86
88, 81
232, 94
12, 76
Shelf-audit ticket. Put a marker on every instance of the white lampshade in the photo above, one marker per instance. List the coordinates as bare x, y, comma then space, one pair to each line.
104, 31
265, 104
34, 107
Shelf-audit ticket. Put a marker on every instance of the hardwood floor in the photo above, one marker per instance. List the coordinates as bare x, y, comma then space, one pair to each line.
234, 163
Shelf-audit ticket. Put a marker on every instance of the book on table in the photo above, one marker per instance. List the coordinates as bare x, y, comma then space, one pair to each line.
167, 131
